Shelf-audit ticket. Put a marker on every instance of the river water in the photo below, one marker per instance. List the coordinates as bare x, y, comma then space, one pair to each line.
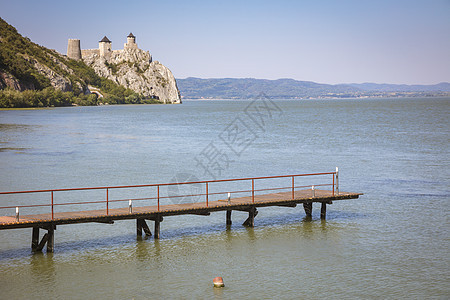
393, 242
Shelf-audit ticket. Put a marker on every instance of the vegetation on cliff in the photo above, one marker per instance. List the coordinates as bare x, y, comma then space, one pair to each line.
34, 76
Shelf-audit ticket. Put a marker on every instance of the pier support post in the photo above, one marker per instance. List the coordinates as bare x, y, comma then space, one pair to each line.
142, 225
308, 209
35, 238
323, 211
250, 222
51, 238
229, 217
42, 243
138, 227
48, 238
158, 221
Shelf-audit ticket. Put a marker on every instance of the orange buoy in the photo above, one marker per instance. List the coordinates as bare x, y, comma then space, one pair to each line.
218, 282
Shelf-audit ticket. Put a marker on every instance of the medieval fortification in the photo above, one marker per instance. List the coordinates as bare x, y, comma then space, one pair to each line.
130, 67
104, 48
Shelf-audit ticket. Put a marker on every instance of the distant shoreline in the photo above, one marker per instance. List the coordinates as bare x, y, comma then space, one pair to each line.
320, 98
234, 99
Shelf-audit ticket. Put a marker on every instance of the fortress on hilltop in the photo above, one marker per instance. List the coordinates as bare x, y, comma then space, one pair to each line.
130, 67
74, 50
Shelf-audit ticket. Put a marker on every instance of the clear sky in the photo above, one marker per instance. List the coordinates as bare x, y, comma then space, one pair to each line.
381, 41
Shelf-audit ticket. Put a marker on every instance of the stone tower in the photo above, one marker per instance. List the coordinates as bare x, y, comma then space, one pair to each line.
131, 42
105, 47
74, 49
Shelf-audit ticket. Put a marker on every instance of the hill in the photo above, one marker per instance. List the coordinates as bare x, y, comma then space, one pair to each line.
229, 88
34, 76
242, 88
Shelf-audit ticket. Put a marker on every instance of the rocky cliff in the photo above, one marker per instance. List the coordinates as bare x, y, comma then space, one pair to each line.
134, 69
126, 77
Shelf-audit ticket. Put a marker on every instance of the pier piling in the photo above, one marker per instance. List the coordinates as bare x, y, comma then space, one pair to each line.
35, 238
323, 211
158, 221
48, 238
229, 222
142, 225
308, 209
51, 238
250, 222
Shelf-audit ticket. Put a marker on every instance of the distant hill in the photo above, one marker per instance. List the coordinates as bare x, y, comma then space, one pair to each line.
440, 87
242, 88
229, 88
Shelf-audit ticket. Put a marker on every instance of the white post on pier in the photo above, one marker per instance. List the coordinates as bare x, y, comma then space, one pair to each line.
17, 214
229, 198
130, 207
313, 191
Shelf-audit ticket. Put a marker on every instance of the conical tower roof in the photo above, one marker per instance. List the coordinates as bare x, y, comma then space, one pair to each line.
131, 35
105, 40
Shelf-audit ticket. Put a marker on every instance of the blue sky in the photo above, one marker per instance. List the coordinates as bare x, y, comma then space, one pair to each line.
396, 41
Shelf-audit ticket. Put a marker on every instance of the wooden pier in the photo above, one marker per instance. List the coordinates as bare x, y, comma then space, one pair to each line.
256, 198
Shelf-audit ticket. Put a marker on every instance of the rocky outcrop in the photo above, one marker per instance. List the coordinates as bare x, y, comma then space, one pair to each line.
56, 80
8, 80
134, 69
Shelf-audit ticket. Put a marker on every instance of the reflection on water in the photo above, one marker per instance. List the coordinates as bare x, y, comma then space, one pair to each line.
391, 243
43, 270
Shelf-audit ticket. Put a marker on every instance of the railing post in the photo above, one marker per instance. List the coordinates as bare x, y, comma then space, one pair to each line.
337, 181
52, 207
293, 188
334, 174
206, 194
158, 197
253, 190
107, 201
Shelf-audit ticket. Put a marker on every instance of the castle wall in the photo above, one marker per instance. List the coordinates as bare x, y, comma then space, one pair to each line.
104, 49
74, 49
89, 52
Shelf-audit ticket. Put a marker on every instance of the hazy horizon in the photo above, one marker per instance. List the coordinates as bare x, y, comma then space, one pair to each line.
393, 42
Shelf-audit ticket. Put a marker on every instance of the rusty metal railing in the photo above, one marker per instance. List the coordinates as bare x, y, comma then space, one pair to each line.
292, 187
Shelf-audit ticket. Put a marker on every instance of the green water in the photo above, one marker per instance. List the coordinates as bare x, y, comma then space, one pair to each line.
391, 243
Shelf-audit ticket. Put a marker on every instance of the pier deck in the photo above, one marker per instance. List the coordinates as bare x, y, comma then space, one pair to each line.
296, 195
151, 212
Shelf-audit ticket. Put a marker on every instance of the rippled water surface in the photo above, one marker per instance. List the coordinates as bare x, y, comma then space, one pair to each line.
391, 243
